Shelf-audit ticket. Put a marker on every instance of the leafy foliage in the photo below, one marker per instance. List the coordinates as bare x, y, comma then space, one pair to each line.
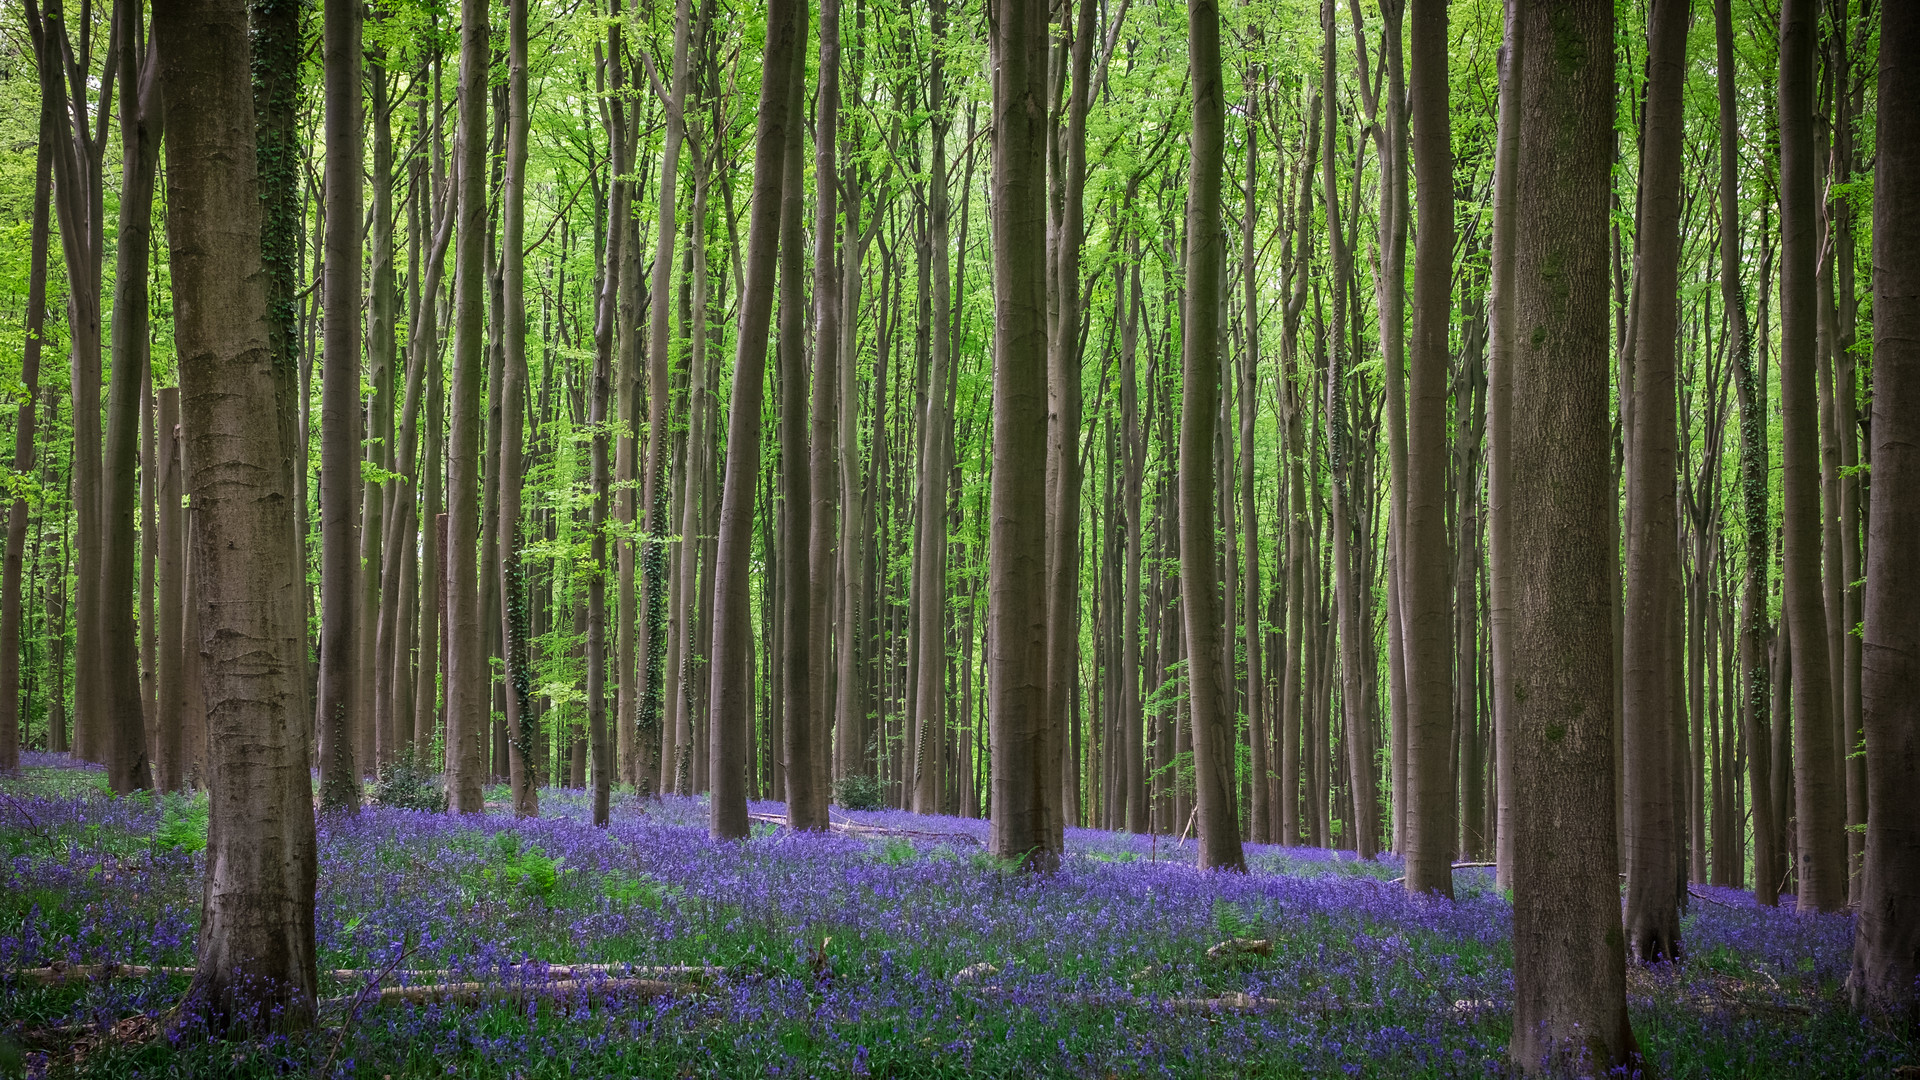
405, 785
857, 792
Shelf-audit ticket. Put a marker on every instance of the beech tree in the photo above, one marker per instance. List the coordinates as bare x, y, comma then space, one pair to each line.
1886, 962
1569, 959
254, 963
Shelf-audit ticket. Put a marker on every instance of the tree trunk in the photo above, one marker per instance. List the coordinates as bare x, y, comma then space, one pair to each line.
513, 391
375, 746
1650, 647
1211, 701
1423, 579
17, 515
1569, 963
175, 753
806, 804
1886, 958
1754, 483
1026, 820
337, 720
1821, 863
1500, 360
822, 558
653, 561
255, 957
468, 679
1260, 810
730, 695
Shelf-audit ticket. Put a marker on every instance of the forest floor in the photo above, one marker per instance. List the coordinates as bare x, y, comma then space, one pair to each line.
493, 947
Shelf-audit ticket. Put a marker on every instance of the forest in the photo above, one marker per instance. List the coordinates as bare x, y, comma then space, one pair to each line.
1081, 538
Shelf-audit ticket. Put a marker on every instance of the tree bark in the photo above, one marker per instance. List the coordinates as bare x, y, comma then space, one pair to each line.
23, 428
255, 962
1500, 360
822, 557
337, 720
1821, 863
1651, 649
175, 754
514, 628
653, 560
468, 680
1219, 825
730, 683
1424, 576
1886, 961
1569, 962
806, 804
1026, 820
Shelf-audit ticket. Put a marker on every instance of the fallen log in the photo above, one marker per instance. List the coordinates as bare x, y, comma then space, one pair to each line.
855, 828
467, 993
59, 973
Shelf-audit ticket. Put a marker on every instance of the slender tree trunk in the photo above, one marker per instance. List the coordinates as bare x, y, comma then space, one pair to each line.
1569, 963
1821, 863
175, 754
930, 552
1651, 649
376, 746
1423, 580
806, 804
653, 559
23, 429
77, 165
337, 721
1886, 961
731, 685
1134, 440
1260, 809
255, 957
513, 391
1026, 821
822, 558
1500, 360
468, 679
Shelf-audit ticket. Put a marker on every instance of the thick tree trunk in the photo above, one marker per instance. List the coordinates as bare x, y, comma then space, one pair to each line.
1026, 820
468, 680
1211, 701
1821, 862
1886, 960
730, 694
255, 958
1569, 963
1424, 573
337, 720
1651, 649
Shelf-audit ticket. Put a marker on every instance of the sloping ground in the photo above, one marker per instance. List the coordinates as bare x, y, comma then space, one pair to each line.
493, 947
